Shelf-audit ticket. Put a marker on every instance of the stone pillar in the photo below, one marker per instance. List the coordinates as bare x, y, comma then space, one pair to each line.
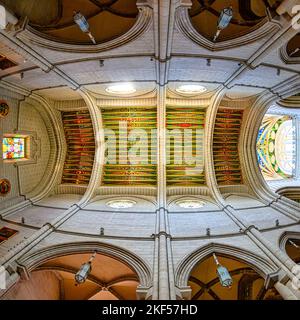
163, 275
284, 291
297, 138
293, 289
281, 259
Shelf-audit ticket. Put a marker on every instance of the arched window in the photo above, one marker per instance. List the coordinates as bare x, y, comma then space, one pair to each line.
276, 147
285, 147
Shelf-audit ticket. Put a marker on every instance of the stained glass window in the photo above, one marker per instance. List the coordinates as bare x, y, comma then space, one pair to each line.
13, 148
276, 147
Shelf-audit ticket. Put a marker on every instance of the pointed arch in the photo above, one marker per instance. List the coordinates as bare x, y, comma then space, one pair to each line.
262, 266
34, 259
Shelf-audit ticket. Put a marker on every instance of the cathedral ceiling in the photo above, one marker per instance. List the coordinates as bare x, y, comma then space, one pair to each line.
108, 19
248, 16
161, 56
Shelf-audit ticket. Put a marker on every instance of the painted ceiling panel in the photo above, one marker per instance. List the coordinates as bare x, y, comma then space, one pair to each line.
185, 149
131, 146
80, 147
225, 146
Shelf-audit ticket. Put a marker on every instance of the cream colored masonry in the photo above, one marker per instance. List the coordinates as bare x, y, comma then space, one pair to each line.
159, 242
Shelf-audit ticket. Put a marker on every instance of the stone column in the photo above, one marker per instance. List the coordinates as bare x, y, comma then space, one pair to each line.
163, 278
293, 289
281, 259
284, 291
297, 138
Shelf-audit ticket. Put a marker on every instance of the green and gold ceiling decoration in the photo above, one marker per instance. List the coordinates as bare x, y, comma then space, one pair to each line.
80, 147
131, 146
225, 146
276, 147
185, 146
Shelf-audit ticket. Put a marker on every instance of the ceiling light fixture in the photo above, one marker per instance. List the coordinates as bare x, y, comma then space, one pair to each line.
191, 89
121, 88
223, 274
84, 271
224, 20
84, 26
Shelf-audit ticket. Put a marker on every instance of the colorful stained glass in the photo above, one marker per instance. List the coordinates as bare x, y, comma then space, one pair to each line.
13, 148
276, 147
5, 187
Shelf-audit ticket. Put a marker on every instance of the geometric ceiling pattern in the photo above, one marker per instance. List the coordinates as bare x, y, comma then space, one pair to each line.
80, 141
276, 147
130, 146
247, 283
185, 146
225, 146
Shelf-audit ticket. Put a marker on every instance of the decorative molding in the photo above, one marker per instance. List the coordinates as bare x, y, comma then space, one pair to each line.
33, 260
180, 102
70, 105
70, 189
262, 266
292, 103
184, 24
238, 189
286, 58
188, 190
124, 103
126, 190
30, 35
56, 137
285, 236
34, 153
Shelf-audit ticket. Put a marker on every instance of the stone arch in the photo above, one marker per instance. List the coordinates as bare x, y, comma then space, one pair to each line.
290, 192
184, 24
263, 267
284, 238
33, 260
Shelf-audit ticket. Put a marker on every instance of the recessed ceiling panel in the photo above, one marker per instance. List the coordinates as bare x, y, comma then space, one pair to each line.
108, 19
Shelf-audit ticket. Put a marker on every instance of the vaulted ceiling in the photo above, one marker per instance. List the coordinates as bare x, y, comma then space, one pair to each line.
247, 283
248, 16
108, 19
157, 46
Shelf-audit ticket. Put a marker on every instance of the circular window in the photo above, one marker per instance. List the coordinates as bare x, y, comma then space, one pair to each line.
190, 204
191, 89
5, 187
121, 88
121, 204
4, 109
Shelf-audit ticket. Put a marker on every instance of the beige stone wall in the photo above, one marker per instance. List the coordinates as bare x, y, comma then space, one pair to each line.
26, 177
8, 171
31, 175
